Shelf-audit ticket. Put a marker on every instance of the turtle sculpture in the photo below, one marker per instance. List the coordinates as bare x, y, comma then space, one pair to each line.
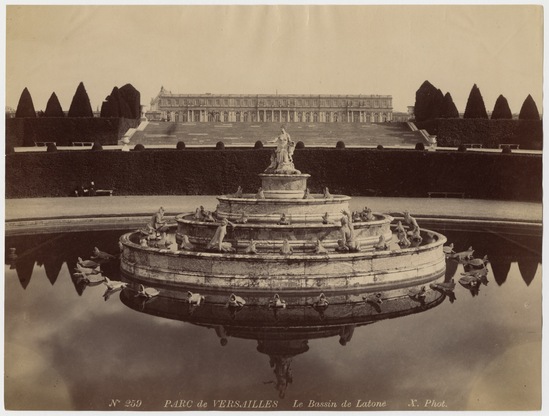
449, 249
147, 292
88, 263
321, 301
463, 255
480, 263
277, 303
195, 298
418, 294
98, 254
235, 301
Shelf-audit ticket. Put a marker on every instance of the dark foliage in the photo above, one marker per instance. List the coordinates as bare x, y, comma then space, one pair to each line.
80, 105
420, 146
340, 145
66, 130
53, 107
379, 147
490, 133
300, 145
449, 109
501, 109
462, 148
428, 103
111, 107
506, 149
139, 147
25, 107
132, 97
97, 146
180, 146
475, 107
220, 146
529, 109
208, 172
51, 147
258, 145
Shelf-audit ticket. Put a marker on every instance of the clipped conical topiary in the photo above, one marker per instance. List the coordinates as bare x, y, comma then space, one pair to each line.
132, 97
80, 105
475, 107
449, 109
53, 107
529, 109
501, 109
25, 107
428, 103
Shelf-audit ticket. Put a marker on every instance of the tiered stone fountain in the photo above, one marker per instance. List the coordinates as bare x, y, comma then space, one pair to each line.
285, 239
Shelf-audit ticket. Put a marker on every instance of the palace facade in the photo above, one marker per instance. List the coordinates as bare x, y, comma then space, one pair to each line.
287, 108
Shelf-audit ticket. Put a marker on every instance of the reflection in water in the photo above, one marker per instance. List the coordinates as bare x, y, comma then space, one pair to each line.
282, 333
313, 348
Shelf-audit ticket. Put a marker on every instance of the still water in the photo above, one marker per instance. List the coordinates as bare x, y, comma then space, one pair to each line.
70, 347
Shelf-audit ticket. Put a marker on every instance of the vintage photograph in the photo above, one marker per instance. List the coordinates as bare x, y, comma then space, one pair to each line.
261, 207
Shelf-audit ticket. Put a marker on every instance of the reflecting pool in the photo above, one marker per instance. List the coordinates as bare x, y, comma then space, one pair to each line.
74, 345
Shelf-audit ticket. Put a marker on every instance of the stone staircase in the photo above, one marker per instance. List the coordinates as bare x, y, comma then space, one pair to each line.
246, 134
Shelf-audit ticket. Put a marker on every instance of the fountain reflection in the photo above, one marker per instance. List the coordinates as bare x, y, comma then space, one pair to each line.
283, 333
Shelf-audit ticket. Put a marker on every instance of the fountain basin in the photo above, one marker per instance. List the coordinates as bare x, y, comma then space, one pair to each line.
302, 236
298, 272
269, 210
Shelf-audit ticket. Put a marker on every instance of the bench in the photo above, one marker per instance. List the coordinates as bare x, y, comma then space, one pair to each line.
446, 194
473, 145
82, 143
43, 144
511, 146
104, 192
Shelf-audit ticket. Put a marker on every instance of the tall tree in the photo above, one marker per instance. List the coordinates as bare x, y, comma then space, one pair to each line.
475, 107
501, 109
449, 109
132, 98
428, 102
25, 107
53, 107
80, 105
529, 109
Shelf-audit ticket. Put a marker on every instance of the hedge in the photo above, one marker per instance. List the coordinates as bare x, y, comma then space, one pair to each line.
404, 173
66, 130
490, 133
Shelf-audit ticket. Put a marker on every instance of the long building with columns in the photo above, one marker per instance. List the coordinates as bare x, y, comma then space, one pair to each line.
258, 108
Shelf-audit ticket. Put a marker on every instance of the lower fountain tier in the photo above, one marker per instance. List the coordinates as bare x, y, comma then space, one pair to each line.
294, 273
269, 237
269, 210
258, 318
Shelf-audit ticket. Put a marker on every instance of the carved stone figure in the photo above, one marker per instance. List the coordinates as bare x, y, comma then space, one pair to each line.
286, 249
260, 194
252, 248
341, 247
238, 193
243, 218
283, 220
216, 243
327, 194
410, 221
158, 223
403, 241
326, 219
186, 244
319, 248
307, 194
366, 214
381, 244
282, 160
347, 232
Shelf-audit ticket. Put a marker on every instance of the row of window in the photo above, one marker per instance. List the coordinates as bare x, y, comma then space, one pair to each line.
300, 102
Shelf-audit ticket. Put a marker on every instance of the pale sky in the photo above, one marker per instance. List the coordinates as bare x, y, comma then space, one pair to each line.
359, 49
